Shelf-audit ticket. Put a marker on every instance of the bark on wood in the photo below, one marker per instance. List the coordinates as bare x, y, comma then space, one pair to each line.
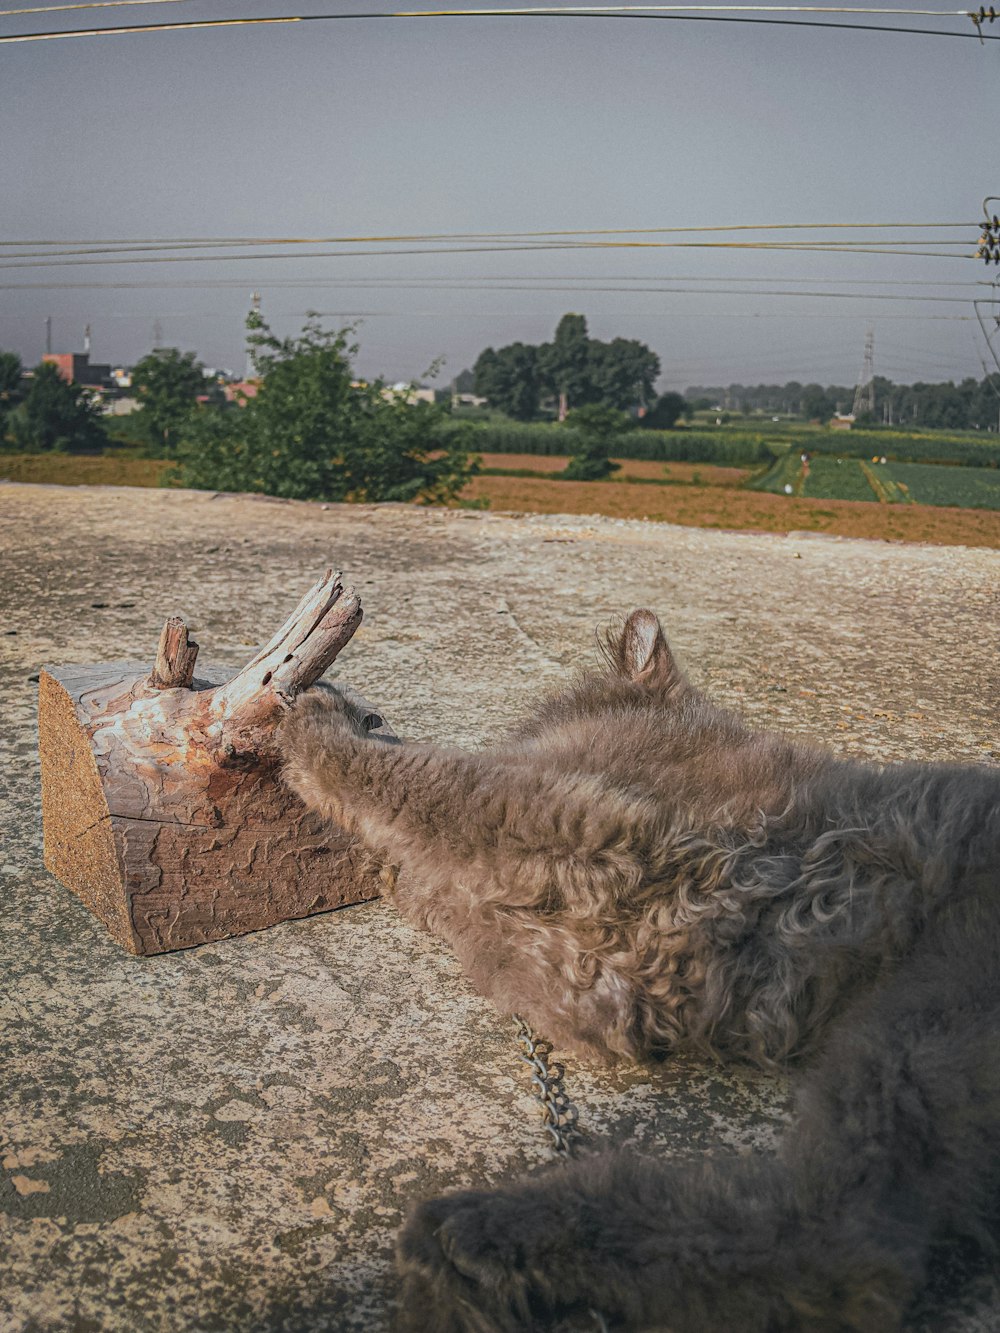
162, 804
175, 657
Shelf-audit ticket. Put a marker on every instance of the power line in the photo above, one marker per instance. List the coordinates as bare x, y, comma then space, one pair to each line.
20, 254
141, 254
416, 285
204, 242
568, 13
431, 283
723, 315
800, 247
91, 4
551, 9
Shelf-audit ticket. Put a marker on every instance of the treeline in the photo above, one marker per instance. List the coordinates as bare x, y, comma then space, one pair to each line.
43, 412
572, 371
311, 430
969, 405
529, 382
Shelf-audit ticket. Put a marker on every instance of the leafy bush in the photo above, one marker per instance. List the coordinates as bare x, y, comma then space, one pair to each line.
56, 416
665, 412
593, 427
10, 388
167, 383
315, 432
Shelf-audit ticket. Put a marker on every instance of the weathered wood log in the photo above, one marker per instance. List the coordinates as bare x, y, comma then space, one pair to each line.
161, 799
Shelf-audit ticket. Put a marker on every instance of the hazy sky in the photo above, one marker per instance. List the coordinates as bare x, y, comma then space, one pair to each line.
392, 127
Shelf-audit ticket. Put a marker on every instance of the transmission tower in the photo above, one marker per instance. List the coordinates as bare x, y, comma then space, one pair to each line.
157, 335
864, 394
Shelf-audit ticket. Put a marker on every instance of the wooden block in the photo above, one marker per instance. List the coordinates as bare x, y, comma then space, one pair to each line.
162, 804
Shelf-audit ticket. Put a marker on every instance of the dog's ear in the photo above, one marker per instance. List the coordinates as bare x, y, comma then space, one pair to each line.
643, 653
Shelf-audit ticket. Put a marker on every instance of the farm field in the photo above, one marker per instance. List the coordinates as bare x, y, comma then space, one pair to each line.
751, 443
82, 470
690, 494
632, 469
729, 506
825, 478
970, 487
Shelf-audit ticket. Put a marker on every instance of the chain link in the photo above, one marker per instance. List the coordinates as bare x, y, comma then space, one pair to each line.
559, 1115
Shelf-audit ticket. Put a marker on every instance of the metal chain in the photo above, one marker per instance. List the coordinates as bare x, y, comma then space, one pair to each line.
558, 1112
559, 1115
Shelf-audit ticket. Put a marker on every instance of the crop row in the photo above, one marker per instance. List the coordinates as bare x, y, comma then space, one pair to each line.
742, 448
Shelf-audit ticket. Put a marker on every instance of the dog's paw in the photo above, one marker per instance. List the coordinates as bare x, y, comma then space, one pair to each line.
312, 738
479, 1262
321, 706
317, 720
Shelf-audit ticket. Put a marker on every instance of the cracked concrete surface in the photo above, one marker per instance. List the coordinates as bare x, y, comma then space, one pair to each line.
226, 1139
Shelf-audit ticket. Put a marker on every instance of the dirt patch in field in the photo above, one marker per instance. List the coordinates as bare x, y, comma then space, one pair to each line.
82, 470
638, 469
727, 507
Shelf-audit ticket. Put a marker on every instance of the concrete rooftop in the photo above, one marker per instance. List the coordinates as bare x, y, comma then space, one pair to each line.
227, 1138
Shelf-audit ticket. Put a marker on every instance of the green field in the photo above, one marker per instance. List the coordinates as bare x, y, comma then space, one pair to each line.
828, 478
837, 479
747, 445
967, 487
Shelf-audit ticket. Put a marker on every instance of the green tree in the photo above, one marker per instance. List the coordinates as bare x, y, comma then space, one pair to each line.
509, 379
315, 432
574, 368
167, 383
10, 387
817, 403
596, 426
564, 364
56, 415
666, 412
465, 382
622, 372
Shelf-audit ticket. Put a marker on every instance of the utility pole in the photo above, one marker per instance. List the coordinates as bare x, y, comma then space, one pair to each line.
157, 335
48, 335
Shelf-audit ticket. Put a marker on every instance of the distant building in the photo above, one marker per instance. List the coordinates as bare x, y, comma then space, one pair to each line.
77, 368
409, 393
120, 407
842, 421
240, 390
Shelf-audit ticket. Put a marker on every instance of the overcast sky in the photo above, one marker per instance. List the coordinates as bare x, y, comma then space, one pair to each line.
404, 127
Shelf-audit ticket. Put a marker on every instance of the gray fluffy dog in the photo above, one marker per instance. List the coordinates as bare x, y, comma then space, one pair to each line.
638, 872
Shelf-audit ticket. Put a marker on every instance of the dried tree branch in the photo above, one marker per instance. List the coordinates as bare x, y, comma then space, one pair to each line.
250, 704
175, 657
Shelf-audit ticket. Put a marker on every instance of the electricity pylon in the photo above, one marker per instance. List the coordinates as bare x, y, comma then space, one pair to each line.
864, 394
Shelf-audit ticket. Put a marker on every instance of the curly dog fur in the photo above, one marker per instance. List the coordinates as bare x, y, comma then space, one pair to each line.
637, 871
